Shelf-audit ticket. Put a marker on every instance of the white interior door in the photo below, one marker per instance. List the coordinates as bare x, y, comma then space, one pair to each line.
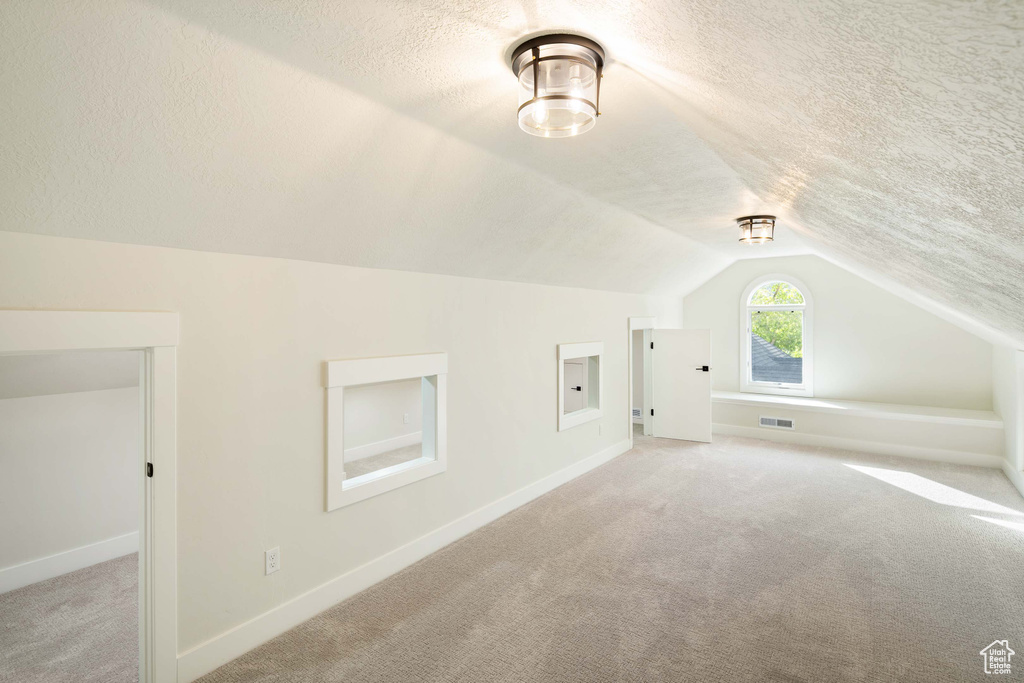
575, 386
681, 375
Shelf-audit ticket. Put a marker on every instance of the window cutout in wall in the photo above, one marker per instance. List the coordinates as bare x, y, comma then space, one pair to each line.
579, 383
383, 425
386, 424
776, 340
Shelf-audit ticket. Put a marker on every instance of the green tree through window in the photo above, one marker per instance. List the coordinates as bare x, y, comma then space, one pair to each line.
782, 329
776, 294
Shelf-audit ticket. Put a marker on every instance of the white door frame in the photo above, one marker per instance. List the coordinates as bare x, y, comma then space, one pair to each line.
156, 335
648, 382
637, 323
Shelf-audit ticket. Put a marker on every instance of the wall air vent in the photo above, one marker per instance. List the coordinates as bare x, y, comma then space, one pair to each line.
776, 422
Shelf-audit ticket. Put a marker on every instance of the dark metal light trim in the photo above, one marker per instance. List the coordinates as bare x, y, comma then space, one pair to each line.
762, 222
557, 39
527, 55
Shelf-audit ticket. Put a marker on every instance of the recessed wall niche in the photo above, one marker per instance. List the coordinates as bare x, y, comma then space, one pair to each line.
580, 389
386, 424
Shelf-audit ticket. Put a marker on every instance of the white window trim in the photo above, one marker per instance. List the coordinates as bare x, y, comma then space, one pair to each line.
746, 383
339, 374
567, 351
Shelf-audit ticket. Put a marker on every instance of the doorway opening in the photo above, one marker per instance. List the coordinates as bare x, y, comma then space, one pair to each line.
89, 432
643, 418
71, 454
671, 371
641, 385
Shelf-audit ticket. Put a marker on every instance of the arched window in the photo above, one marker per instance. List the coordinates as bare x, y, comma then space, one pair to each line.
776, 342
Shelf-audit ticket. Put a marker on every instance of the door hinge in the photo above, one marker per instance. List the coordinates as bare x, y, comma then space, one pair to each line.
149, 469
652, 412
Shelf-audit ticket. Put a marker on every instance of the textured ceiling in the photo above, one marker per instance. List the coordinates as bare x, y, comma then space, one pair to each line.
125, 122
888, 135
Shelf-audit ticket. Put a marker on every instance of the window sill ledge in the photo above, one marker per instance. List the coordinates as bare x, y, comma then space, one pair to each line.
574, 419
884, 411
388, 479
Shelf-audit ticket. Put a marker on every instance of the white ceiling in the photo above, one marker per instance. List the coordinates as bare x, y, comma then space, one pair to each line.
67, 372
888, 137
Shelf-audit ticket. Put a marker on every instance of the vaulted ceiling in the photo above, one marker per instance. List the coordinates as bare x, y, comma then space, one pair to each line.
889, 137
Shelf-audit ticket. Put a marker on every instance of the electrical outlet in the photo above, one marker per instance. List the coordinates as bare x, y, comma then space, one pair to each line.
405, 418
273, 557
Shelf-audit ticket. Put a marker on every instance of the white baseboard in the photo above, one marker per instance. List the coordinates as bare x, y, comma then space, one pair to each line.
231, 644
882, 448
378, 447
1016, 477
26, 574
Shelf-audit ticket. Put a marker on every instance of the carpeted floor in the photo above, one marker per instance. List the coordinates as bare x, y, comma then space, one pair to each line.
741, 560
80, 627
355, 468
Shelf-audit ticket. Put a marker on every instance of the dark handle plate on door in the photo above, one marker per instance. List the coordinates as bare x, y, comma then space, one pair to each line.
703, 368
576, 388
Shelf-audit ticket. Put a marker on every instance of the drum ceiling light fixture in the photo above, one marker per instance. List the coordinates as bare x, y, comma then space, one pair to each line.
756, 229
559, 84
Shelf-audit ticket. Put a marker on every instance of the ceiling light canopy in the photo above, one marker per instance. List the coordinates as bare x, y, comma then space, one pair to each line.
756, 229
559, 84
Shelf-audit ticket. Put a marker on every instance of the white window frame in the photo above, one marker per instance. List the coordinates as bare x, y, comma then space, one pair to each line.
747, 384
156, 335
569, 351
338, 374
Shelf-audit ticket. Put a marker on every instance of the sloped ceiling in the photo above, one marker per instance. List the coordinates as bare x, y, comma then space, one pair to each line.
67, 372
888, 136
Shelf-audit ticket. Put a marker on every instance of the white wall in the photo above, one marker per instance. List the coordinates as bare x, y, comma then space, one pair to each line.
869, 345
374, 413
254, 332
1008, 401
70, 472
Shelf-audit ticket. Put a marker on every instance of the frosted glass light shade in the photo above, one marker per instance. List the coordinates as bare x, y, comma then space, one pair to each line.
559, 85
756, 229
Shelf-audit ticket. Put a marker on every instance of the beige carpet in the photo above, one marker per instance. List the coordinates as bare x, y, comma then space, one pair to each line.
355, 468
80, 627
737, 561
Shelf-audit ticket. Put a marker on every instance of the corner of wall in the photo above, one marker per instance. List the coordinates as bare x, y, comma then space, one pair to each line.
1008, 403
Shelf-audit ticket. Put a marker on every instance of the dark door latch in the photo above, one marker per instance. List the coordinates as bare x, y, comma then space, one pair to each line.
576, 388
703, 368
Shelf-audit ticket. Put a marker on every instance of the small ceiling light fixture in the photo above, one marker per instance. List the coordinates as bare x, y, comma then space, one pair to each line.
559, 84
757, 229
